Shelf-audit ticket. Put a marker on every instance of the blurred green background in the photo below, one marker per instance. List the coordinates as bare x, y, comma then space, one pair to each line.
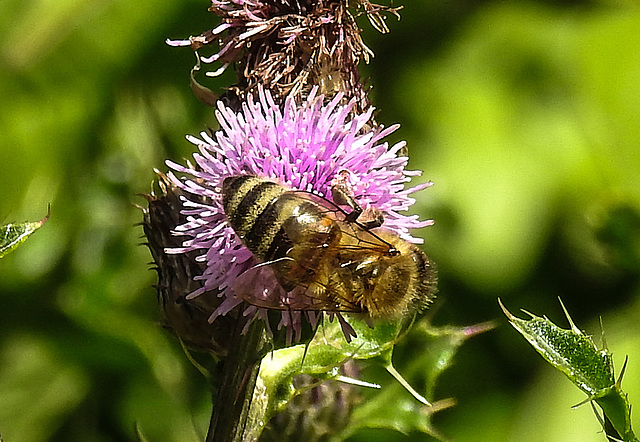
524, 114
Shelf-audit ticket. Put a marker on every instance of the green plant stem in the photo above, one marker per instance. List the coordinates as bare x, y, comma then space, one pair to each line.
230, 420
617, 416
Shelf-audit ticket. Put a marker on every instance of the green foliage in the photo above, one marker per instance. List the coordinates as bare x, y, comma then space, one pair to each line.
591, 369
396, 406
524, 114
321, 358
433, 349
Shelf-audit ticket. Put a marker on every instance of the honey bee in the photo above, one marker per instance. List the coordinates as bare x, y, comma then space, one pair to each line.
322, 258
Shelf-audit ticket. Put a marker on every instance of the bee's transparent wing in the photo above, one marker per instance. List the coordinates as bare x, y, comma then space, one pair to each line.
259, 286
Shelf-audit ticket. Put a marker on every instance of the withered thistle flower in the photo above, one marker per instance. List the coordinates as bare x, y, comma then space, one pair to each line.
291, 46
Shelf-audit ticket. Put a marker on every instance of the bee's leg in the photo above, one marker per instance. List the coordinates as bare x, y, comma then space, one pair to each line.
371, 218
342, 195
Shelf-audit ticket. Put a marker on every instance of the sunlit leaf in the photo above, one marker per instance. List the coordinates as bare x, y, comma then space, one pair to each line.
591, 369
321, 358
12, 235
397, 405
433, 349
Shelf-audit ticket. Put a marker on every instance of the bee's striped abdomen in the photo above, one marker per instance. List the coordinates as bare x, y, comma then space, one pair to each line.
268, 218
244, 198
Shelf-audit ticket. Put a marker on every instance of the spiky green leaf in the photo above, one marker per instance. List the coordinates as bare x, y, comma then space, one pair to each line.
391, 407
591, 369
12, 235
434, 349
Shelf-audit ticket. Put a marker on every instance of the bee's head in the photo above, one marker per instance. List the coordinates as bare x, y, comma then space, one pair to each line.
405, 280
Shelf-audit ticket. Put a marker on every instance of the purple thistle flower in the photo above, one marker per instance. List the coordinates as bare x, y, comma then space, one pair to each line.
303, 147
